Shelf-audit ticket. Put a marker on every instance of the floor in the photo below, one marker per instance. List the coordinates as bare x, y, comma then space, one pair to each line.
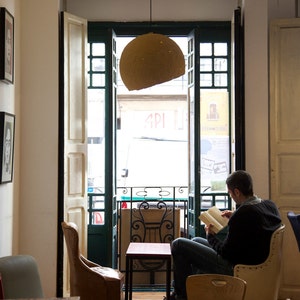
148, 295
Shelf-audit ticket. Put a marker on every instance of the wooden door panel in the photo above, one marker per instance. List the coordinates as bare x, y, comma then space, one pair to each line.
285, 140
75, 131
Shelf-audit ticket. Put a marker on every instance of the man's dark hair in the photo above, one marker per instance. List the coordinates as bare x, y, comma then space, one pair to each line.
242, 181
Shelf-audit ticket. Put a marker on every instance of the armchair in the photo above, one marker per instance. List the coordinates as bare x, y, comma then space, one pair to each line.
295, 223
89, 280
20, 277
263, 280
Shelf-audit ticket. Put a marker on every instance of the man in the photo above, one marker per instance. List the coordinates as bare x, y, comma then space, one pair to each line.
250, 228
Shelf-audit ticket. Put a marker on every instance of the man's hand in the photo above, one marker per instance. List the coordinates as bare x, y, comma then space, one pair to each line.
227, 214
209, 230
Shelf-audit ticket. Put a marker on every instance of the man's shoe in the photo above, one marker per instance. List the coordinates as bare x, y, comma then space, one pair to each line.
173, 296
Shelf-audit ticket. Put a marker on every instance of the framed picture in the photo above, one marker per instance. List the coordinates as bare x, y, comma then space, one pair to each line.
7, 139
6, 46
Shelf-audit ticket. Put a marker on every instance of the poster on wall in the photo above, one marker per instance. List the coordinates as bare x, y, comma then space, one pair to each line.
6, 46
7, 134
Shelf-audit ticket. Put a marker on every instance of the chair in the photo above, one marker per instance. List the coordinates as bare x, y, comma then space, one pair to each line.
89, 280
1, 288
215, 287
295, 222
20, 277
263, 280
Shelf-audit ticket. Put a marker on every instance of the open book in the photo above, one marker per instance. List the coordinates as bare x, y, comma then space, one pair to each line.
213, 216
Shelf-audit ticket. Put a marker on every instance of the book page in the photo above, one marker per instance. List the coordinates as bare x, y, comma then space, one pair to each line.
216, 213
206, 218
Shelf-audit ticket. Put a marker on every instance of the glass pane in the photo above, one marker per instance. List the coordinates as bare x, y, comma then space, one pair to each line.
151, 124
98, 79
214, 126
96, 140
205, 49
205, 80
190, 61
221, 79
220, 64
205, 64
191, 45
98, 49
220, 49
98, 64
98, 218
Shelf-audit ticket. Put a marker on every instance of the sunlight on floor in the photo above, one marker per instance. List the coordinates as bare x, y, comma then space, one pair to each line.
148, 295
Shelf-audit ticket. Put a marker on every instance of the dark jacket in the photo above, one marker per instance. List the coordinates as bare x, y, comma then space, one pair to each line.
249, 232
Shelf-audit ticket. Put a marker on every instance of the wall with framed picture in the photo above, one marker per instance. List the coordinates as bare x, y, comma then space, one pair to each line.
7, 134
6, 46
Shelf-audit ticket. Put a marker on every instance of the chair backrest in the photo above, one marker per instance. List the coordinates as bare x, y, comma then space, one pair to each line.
77, 278
295, 222
20, 277
72, 242
1, 288
263, 280
215, 287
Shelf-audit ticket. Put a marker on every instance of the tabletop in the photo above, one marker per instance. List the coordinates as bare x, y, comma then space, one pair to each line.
155, 249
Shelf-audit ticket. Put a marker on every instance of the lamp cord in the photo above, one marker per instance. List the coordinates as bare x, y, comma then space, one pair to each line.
150, 11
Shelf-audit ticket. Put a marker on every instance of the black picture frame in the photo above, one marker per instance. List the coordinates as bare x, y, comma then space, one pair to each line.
6, 46
7, 141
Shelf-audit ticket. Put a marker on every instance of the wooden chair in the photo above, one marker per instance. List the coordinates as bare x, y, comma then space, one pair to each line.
20, 277
263, 280
89, 280
295, 223
215, 287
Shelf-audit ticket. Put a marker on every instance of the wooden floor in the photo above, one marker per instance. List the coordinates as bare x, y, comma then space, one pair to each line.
148, 295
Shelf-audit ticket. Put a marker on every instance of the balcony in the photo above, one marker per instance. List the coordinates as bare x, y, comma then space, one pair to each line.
151, 214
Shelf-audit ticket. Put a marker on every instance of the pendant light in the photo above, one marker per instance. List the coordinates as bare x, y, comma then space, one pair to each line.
150, 59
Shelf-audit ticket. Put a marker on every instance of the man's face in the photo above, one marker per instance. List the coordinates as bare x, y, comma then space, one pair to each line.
234, 194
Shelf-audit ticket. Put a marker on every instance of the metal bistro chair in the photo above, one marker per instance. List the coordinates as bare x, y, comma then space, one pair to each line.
215, 287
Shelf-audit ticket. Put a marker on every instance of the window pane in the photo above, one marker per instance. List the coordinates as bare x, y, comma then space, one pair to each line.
214, 126
96, 140
98, 64
191, 46
220, 64
205, 49
221, 79
98, 49
220, 49
98, 218
205, 80
205, 64
190, 62
98, 79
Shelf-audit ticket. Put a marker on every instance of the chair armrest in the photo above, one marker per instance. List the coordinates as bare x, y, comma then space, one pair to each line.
88, 262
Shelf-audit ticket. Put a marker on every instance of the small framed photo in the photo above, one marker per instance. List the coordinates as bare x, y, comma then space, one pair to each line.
7, 140
6, 46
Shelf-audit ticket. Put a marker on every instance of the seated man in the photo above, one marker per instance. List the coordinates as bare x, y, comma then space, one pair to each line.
250, 228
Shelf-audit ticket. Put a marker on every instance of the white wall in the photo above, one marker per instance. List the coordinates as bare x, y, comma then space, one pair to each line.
10, 102
139, 10
39, 136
